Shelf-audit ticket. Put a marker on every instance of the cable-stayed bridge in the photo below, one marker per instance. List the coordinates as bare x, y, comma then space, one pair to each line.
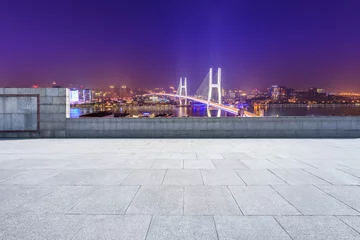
209, 93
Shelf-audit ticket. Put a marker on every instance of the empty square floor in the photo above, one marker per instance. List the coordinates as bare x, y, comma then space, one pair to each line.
180, 189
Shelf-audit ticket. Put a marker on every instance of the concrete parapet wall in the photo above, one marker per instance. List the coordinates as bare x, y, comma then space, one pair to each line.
33, 112
279, 127
45, 112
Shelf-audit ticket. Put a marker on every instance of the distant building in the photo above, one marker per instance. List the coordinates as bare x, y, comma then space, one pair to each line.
54, 85
114, 91
277, 92
74, 95
87, 95
124, 92
313, 92
290, 92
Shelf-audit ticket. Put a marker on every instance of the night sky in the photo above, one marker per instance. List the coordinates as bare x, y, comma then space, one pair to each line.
152, 43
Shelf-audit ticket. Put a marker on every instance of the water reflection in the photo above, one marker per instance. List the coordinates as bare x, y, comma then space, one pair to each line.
182, 111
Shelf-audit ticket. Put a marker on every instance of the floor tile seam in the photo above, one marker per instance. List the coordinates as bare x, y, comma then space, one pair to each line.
183, 198
43, 196
163, 179
347, 224
80, 228
268, 169
87, 177
202, 177
236, 172
306, 163
233, 197
283, 228
276, 164
317, 176
128, 174
286, 200
131, 171
148, 228
132, 199
82, 198
341, 170
333, 197
216, 230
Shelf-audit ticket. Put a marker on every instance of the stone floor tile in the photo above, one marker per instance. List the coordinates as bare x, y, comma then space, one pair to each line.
351, 171
137, 164
168, 164
198, 164
260, 177
29, 226
182, 227
229, 164
209, 200
221, 177
349, 195
261, 200
352, 221
183, 177
312, 201
298, 177
290, 163
259, 164
32, 177
249, 227
145, 177
9, 173
12, 197
114, 227
235, 155
209, 156
106, 200
68, 177
59, 201
158, 156
157, 200
106, 177
183, 156
317, 228
334, 176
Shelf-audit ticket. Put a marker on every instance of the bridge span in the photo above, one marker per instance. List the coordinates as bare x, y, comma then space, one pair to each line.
229, 109
208, 93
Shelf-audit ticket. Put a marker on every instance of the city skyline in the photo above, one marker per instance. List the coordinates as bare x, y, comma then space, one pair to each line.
298, 44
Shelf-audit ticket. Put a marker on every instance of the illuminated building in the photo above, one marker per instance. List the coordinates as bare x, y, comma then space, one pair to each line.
74, 95
124, 91
113, 91
87, 95
277, 92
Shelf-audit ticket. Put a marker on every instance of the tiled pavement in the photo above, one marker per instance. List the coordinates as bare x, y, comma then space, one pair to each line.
180, 189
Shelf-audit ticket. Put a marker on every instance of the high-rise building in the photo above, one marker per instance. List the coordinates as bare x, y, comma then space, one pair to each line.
74, 95
290, 92
277, 92
114, 92
124, 91
313, 92
87, 95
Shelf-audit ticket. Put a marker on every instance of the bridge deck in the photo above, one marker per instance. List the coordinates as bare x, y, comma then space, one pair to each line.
222, 107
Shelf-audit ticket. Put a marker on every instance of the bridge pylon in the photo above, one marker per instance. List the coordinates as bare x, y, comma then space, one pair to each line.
216, 85
182, 90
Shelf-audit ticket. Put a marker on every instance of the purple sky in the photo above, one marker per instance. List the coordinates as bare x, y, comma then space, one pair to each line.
258, 43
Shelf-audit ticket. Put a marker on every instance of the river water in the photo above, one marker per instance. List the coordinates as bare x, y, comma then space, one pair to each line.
201, 111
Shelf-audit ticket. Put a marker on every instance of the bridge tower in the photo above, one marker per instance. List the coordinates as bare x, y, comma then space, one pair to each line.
182, 90
216, 85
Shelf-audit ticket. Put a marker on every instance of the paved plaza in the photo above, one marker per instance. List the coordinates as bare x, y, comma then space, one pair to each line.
180, 189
